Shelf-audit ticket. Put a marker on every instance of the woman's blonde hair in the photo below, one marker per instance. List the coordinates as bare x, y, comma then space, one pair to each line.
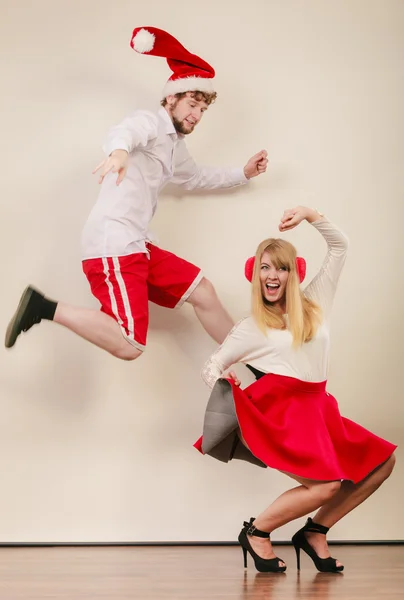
304, 315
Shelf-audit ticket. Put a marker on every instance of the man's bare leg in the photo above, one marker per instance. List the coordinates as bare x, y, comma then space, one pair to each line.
92, 325
212, 315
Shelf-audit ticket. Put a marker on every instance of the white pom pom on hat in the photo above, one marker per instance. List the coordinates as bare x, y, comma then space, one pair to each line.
143, 41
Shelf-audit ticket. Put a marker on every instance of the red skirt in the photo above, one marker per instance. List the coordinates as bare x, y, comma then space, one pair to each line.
293, 426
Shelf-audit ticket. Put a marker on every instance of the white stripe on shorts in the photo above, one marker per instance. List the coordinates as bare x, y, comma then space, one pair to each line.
128, 313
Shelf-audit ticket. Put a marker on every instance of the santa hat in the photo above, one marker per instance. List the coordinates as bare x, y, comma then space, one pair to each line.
190, 73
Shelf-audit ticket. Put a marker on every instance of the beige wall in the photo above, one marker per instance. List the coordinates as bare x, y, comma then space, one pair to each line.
92, 449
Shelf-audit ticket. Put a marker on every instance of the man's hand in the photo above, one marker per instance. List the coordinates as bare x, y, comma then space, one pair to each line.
117, 162
256, 165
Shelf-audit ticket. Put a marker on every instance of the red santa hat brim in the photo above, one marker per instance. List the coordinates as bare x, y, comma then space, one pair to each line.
187, 84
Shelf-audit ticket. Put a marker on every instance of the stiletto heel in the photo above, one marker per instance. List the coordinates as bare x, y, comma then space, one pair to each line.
264, 565
299, 540
297, 550
245, 556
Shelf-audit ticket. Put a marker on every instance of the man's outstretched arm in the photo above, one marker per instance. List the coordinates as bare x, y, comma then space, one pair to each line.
192, 176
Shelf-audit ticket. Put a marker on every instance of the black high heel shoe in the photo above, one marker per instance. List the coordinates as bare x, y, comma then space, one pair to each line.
299, 540
264, 565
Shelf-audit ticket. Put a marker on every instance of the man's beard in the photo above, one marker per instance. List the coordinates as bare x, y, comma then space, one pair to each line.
179, 127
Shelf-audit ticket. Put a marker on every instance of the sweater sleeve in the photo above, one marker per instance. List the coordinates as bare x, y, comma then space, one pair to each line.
323, 286
242, 340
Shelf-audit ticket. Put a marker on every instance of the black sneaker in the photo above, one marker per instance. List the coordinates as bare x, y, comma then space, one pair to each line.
26, 315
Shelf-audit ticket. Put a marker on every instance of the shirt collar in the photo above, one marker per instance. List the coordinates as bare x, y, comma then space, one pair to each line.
170, 129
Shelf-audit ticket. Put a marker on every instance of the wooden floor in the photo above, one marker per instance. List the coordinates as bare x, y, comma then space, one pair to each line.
194, 573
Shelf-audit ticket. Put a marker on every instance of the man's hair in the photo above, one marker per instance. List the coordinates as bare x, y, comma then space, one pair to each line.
208, 97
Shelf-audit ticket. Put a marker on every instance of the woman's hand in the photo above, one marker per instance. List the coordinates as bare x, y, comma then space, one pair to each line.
292, 217
234, 377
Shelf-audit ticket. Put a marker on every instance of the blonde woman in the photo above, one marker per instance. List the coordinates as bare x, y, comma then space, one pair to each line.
287, 420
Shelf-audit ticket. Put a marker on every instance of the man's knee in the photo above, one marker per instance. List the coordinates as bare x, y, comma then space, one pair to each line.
203, 294
391, 462
387, 468
127, 352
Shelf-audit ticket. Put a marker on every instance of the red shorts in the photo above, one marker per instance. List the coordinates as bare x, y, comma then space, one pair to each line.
125, 284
